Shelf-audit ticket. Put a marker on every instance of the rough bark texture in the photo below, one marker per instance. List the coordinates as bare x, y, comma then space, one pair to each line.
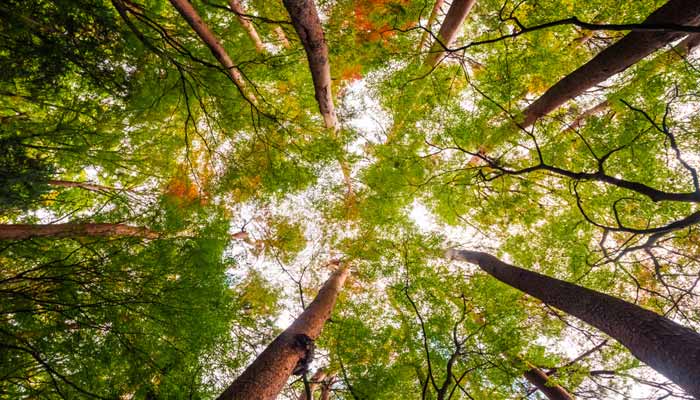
308, 26
459, 9
195, 21
431, 20
237, 8
615, 58
541, 381
28, 231
314, 382
670, 348
267, 375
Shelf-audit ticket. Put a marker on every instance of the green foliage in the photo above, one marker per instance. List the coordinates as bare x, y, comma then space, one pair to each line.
123, 103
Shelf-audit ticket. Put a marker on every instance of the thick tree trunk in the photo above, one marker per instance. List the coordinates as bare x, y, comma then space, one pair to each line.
540, 380
267, 375
459, 9
28, 231
670, 348
314, 382
195, 21
308, 26
237, 8
431, 20
615, 58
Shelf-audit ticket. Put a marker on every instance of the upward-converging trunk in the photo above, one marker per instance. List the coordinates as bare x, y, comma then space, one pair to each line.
210, 40
245, 22
541, 381
308, 26
267, 375
459, 9
616, 58
431, 19
664, 345
28, 231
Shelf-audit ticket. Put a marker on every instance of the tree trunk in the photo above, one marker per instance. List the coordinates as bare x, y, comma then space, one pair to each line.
615, 58
540, 380
326, 388
314, 382
308, 26
459, 9
28, 231
431, 20
670, 348
195, 21
267, 375
237, 8
85, 186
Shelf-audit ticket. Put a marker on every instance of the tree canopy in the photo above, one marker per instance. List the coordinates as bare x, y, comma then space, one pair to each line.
178, 179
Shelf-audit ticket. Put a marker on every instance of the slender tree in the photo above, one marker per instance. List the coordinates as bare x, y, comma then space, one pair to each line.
308, 26
267, 375
27, 231
431, 20
615, 58
212, 42
664, 345
459, 9
238, 9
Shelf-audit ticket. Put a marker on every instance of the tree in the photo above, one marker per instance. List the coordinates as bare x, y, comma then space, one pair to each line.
615, 59
308, 26
170, 197
644, 333
454, 18
266, 376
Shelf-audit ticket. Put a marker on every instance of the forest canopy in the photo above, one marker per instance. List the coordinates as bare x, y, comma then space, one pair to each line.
370, 199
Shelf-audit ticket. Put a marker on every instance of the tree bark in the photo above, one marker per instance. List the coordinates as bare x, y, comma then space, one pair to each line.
267, 375
670, 348
615, 58
314, 382
459, 9
28, 231
237, 8
431, 21
210, 40
540, 380
326, 388
308, 26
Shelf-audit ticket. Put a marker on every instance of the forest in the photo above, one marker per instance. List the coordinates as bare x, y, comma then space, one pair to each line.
350, 200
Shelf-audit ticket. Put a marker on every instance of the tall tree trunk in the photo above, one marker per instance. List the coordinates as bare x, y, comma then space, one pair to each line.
308, 26
459, 9
540, 380
670, 348
210, 40
615, 58
237, 8
431, 20
282, 37
314, 382
28, 231
267, 375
